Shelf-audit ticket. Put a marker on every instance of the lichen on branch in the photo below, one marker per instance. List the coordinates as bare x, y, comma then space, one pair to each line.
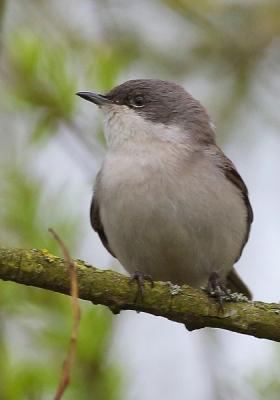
186, 305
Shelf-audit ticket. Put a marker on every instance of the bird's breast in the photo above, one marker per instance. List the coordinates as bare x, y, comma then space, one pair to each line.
175, 218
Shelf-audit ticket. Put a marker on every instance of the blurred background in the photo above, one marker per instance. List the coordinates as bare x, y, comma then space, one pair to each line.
226, 54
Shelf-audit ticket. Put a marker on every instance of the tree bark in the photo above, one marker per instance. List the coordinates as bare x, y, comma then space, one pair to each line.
186, 305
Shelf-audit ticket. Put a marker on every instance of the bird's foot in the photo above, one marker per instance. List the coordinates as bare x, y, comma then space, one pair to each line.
216, 288
140, 277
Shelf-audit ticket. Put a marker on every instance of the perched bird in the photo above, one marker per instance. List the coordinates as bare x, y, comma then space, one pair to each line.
167, 202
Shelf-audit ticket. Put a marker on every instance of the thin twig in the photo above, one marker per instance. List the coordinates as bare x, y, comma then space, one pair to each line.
65, 378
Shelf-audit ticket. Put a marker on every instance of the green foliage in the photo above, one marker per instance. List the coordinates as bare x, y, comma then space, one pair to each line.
43, 79
28, 210
39, 78
42, 321
266, 380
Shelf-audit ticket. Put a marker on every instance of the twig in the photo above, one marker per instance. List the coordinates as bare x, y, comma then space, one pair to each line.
65, 378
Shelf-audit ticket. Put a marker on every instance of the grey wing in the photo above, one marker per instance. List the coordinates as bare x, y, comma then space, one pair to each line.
97, 224
233, 176
233, 280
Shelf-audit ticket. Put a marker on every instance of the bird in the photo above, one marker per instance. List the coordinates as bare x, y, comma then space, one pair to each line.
167, 202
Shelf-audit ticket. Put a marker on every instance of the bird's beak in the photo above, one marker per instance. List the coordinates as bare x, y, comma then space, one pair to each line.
95, 98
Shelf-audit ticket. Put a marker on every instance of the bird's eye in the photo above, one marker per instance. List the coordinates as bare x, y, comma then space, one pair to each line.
138, 101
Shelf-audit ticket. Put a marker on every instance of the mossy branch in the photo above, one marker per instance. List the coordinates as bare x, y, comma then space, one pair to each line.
186, 305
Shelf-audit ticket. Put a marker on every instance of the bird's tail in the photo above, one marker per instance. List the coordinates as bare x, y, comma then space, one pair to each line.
235, 284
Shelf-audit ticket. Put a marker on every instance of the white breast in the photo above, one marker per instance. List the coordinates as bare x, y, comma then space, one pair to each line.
166, 216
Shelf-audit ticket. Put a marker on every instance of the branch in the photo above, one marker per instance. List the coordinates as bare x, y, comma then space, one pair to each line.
186, 305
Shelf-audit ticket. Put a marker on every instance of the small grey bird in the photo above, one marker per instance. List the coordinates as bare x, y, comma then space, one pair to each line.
167, 201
